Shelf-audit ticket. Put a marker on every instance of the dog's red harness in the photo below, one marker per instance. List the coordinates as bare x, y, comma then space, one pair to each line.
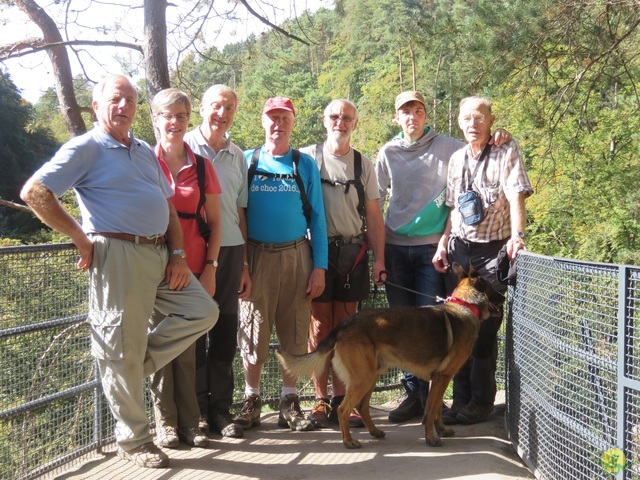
475, 310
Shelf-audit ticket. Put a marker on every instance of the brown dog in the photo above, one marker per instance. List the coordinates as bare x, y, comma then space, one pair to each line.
431, 342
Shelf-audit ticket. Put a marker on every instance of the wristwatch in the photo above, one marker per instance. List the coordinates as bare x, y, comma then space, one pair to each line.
521, 235
212, 262
180, 252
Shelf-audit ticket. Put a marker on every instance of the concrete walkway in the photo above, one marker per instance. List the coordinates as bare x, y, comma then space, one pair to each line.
271, 453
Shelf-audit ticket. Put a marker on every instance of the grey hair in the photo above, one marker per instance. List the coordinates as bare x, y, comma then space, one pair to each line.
167, 97
218, 88
480, 100
327, 110
99, 88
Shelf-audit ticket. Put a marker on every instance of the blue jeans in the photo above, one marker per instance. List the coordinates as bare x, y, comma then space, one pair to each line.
412, 267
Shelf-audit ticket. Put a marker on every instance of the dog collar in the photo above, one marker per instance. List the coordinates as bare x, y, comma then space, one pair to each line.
475, 310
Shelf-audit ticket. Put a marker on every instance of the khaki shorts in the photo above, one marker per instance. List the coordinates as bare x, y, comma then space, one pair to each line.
279, 278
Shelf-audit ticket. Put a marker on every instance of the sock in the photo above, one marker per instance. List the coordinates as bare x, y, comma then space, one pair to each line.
251, 390
288, 390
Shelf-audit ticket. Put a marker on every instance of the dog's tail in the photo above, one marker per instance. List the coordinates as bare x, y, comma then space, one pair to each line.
310, 363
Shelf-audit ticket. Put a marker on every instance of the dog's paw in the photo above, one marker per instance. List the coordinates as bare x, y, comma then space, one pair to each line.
377, 433
434, 442
352, 444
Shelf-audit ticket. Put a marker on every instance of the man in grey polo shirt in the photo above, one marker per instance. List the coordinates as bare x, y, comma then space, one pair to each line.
127, 224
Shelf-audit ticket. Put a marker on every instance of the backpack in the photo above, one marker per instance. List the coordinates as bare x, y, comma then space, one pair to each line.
356, 182
203, 226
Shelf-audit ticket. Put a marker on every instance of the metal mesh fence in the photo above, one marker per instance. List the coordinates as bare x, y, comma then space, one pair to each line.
572, 367
51, 407
52, 411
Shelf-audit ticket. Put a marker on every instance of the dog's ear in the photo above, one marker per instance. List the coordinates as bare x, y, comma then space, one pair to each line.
472, 271
458, 270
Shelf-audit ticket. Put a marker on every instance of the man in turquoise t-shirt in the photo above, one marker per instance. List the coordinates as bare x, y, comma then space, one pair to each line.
285, 274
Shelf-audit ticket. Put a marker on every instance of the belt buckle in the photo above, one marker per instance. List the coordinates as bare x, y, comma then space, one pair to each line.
155, 239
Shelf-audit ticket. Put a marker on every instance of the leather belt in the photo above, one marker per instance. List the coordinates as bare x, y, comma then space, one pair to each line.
156, 240
278, 247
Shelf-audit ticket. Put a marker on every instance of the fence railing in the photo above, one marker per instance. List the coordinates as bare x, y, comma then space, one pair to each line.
573, 368
51, 406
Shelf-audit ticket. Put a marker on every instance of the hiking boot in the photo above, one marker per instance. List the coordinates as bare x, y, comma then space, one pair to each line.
319, 415
474, 413
450, 414
193, 437
223, 424
355, 420
203, 424
147, 455
292, 416
249, 415
167, 437
410, 407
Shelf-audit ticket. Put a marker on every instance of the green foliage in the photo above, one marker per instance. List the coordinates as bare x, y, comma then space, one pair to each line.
24, 147
562, 75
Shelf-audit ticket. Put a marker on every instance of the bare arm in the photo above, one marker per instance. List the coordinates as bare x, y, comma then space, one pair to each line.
49, 209
440, 261
518, 224
375, 236
177, 271
212, 209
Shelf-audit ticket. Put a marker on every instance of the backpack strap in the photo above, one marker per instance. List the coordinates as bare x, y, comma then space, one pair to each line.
200, 173
253, 167
356, 182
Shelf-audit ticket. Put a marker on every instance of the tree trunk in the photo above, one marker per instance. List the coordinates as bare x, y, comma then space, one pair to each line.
413, 67
155, 46
400, 69
61, 66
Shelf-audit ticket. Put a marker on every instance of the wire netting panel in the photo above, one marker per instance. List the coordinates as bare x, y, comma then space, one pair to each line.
562, 365
47, 376
52, 410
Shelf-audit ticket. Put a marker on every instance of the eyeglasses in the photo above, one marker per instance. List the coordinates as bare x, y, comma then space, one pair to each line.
181, 117
335, 118
479, 119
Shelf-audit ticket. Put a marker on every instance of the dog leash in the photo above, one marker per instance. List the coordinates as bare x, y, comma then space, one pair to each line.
437, 298
385, 282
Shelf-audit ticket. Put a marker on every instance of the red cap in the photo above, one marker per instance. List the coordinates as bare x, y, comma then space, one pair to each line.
275, 103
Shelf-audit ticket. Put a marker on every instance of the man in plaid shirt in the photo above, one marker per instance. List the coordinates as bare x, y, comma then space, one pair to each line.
474, 235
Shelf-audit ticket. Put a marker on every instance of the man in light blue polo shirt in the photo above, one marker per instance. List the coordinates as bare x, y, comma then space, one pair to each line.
127, 224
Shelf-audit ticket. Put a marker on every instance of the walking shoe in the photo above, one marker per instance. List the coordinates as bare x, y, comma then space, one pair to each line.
292, 416
355, 420
146, 455
194, 437
249, 415
203, 424
450, 414
474, 413
223, 424
319, 415
167, 437
410, 407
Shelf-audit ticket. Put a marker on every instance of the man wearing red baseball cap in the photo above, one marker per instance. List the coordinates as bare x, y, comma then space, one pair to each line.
285, 200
